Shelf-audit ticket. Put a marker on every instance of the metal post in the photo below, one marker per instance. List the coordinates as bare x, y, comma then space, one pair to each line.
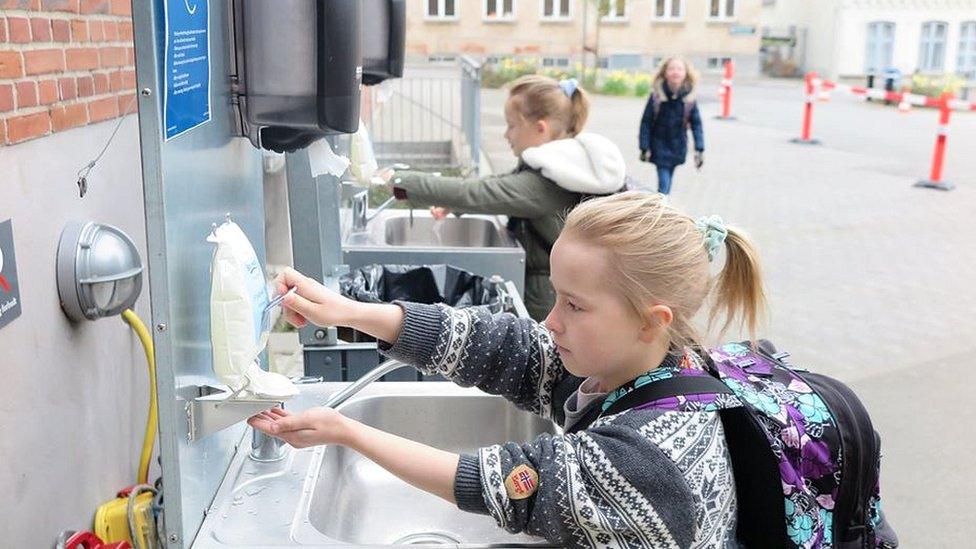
938, 155
726, 92
810, 89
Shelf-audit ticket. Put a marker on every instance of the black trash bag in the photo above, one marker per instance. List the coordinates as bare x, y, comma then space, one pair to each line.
427, 284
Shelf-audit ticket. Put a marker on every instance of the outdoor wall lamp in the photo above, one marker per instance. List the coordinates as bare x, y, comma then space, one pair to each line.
99, 271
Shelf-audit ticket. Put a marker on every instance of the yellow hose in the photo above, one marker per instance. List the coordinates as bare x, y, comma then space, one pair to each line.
149, 438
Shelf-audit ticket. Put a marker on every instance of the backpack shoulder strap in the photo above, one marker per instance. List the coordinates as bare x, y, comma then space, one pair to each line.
688, 106
664, 388
670, 387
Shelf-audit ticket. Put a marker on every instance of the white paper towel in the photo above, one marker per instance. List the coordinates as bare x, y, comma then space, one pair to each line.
361, 155
323, 160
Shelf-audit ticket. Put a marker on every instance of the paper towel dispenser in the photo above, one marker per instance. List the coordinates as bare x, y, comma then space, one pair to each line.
298, 69
384, 39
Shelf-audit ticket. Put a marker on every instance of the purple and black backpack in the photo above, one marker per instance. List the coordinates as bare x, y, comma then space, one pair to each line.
802, 447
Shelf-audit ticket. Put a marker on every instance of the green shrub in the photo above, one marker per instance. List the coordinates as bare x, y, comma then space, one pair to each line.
936, 85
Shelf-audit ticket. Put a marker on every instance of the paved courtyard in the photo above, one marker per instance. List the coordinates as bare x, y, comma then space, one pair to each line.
870, 279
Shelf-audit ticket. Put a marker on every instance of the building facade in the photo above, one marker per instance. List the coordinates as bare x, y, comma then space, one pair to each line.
635, 34
854, 38
75, 395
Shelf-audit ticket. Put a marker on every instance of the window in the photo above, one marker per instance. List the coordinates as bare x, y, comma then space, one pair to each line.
881, 43
442, 9
556, 10
499, 10
555, 61
668, 9
966, 62
721, 9
616, 10
441, 58
717, 63
931, 52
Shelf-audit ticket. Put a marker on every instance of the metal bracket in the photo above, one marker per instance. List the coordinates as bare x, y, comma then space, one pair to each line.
214, 411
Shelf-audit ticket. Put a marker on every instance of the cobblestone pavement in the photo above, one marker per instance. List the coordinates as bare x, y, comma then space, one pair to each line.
870, 279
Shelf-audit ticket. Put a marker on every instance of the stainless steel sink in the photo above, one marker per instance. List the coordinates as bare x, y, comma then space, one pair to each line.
477, 243
358, 502
333, 497
453, 231
397, 228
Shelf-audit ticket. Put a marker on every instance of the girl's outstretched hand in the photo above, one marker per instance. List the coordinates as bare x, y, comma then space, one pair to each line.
438, 212
309, 428
312, 302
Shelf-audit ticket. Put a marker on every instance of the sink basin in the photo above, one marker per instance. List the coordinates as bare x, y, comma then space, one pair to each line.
453, 231
331, 497
479, 244
358, 502
396, 228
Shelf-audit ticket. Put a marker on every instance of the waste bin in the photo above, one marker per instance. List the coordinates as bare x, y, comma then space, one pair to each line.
423, 284
892, 81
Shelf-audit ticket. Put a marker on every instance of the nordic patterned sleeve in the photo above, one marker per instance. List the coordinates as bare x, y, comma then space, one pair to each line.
604, 487
500, 354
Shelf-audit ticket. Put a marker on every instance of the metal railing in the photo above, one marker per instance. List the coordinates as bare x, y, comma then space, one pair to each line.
430, 118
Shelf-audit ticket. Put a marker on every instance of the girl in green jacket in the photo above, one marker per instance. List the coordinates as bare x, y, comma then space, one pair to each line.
558, 167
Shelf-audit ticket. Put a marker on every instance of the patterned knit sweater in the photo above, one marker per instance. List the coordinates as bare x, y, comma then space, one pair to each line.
640, 478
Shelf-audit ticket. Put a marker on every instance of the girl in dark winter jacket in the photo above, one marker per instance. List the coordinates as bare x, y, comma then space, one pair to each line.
670, 111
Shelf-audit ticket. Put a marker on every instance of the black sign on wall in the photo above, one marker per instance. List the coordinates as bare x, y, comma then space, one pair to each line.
9, 289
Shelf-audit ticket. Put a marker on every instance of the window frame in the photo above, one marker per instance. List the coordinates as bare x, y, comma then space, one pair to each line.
441, 8
614, 18
963, 68
556, 18
871, 40
723, 7
510, 18
668, 8
927, 47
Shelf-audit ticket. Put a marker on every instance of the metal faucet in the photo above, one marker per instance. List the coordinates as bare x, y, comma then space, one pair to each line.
266, 448
355, 387
360, 209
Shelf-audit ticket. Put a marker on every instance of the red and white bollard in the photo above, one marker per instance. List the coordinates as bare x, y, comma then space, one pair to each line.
725, 92
938, 156
811, 96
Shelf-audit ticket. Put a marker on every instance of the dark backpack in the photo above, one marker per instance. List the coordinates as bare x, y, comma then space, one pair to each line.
802, 447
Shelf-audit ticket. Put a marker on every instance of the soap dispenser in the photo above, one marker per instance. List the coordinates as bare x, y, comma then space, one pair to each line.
298, 70
384, 39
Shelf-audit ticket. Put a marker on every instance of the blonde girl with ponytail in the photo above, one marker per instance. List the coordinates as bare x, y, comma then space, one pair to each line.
630, 274
558, 166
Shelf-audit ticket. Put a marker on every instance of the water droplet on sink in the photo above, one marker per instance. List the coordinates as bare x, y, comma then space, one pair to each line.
238, 499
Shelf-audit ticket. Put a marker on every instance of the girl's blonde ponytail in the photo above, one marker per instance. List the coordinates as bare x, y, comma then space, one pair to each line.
739, 289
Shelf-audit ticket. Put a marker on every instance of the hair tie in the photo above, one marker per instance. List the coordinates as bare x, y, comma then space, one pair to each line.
713, 232
568, 86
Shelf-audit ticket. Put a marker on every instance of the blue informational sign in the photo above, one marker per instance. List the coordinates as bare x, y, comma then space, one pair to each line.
9, 286
186, 103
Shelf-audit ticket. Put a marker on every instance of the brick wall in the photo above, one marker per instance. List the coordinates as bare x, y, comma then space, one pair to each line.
63, 64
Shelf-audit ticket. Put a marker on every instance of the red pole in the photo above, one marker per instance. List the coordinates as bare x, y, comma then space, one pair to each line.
938, 155
808, 111
727, 84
